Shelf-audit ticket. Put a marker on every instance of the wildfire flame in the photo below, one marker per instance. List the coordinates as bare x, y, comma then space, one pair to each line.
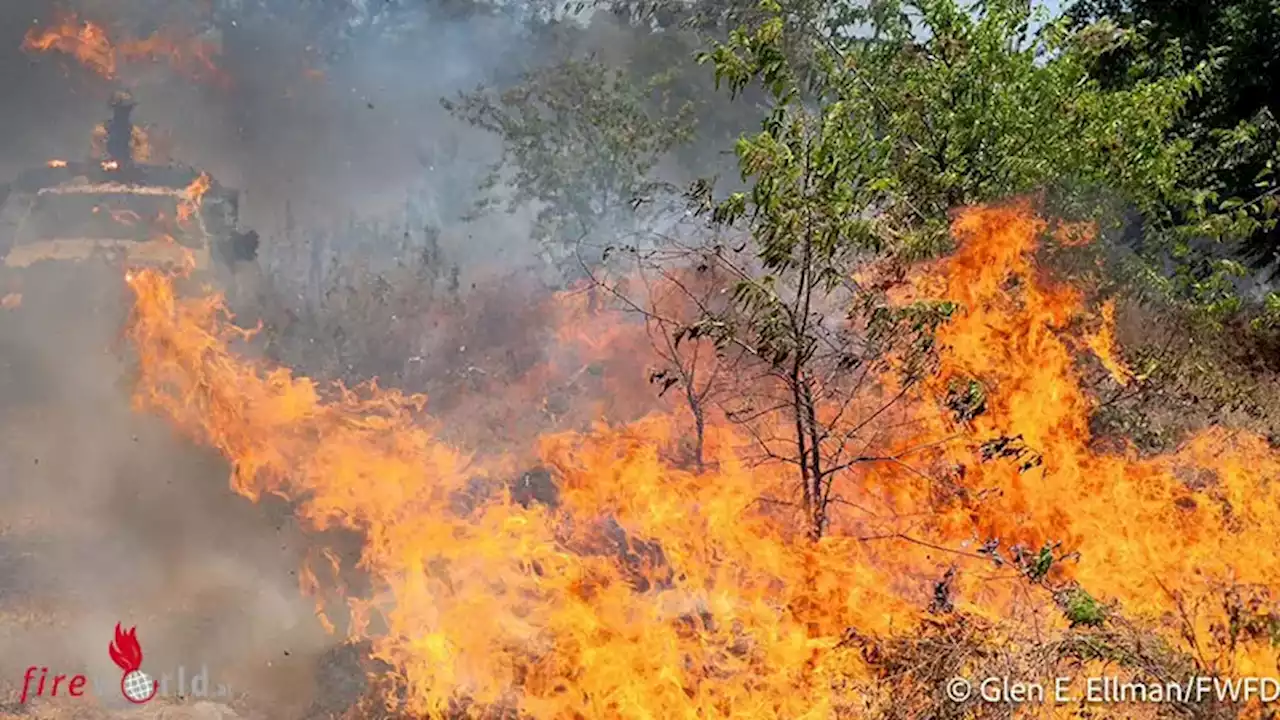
190, 198
140, 145
648, 590
86, 42
91, 45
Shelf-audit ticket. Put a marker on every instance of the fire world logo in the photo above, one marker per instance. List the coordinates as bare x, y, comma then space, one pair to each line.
136, 686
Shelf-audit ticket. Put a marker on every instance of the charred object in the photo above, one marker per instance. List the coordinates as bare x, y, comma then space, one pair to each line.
114, 205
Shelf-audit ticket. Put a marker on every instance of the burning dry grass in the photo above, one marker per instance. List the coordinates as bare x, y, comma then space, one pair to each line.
502, 361
1189, 379
913, 671
1003, 541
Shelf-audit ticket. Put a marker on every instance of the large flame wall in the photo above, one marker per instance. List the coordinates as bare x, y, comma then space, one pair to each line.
651, 591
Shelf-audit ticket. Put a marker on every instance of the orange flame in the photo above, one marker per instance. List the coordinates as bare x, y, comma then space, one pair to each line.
192, 195
57, 163
647, 590
91, 45
87, 42
140, 145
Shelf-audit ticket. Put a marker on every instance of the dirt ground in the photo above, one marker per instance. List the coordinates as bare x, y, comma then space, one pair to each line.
152, 711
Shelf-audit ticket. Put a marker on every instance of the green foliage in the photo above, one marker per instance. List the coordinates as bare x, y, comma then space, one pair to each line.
1081, 609
966, 400
877, 121
1036, 567
944, 106
907, 331
580, 140
1269, 318
933, 106
1231, 122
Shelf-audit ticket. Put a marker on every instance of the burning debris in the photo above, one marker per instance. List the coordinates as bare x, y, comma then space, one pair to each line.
120, 132
118, 204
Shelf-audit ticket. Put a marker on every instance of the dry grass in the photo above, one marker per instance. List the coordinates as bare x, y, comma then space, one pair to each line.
1188, 378
398, 314
914, 672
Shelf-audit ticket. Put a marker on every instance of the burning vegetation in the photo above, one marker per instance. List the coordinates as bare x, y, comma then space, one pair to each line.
117, 202
987, 539
858, 433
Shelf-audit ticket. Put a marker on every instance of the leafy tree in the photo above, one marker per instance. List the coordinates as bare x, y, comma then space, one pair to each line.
1232, 122
879, 120
580, 142
932, 105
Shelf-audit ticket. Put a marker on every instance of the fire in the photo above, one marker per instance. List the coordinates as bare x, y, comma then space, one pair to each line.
190, 198
140, 144
57, 163
649, 590
87, 42
11, 301
91, 45
1158, 545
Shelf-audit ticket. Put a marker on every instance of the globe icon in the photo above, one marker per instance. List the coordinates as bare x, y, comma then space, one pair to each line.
138, 687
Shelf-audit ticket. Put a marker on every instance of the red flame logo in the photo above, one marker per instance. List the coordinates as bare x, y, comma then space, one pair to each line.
126, 652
